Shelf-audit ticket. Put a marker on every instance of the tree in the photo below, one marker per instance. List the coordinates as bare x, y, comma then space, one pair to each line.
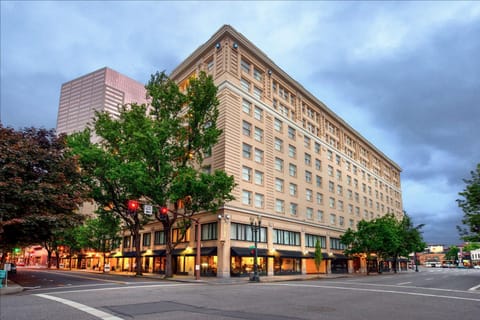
100, 234
318, 255
40, 186
154, 154
452, 254
385, 236
470, 204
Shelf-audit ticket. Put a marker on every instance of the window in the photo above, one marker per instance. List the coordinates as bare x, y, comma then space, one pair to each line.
209, 231
331, 186
277, 124
318, 164
340, 205
245, 66
292, 151
329, 155
258, 134
286, 237
291, 133
246, 129
246, 173
308, 159
146, 238
337, 159
319, 215
319, 198
210, 65
257, 93
278, 144
306, 142
278, 164
259, 177
309, 213
308, 194
257, 74
246, 106
308, 176
339, 175
258, 114
244, 232
331, 202
259, 200
318, 180
258, 155
311, 241
247, 151
159, 237
333, 219
330, 171
293, 209
279, 184
293, 189
292, 170
339, 190
245, 85
279, 206
246, 197
126, 242
336, 244
317, 147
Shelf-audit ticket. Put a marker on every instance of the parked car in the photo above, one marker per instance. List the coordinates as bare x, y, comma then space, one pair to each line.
476, 267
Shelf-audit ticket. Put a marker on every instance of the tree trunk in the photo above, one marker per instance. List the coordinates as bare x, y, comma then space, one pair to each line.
138, 255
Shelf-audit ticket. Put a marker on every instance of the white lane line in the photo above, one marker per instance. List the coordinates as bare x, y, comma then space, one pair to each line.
95, 312
474, 288
378, 290
403, 283
123, 288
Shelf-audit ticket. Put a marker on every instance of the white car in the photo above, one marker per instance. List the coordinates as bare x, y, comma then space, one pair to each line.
476, 267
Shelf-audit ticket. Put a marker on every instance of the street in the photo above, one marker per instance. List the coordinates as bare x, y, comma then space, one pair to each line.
428, 294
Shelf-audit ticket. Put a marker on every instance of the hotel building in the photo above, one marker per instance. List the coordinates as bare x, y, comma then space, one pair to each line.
300, 168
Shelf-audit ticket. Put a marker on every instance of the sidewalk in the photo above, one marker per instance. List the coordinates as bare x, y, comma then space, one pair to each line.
11, 289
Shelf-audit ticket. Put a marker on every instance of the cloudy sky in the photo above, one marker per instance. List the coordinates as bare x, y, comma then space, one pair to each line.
406, 75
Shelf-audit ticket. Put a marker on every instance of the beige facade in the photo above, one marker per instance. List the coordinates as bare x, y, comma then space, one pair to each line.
299, 167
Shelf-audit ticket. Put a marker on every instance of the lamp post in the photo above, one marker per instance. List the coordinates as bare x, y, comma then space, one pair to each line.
256, 224
416, 262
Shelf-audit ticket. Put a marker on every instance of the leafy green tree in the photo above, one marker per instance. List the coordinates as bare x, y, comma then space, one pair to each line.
100, 234
155, 153
40, 186
471, 246
470, 204
385, 236
452, 253
318, 256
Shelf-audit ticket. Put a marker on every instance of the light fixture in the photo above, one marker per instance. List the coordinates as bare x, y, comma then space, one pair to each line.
235, 45
218, 45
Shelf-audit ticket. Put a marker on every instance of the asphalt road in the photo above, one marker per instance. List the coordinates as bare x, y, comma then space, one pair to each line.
429, 294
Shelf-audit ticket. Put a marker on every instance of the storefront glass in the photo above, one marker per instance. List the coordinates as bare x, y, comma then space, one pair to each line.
243, 266
283, 266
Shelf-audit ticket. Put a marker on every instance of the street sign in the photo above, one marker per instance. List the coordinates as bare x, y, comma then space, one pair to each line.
148, 209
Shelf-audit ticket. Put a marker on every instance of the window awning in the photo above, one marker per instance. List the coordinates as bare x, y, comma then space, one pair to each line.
204, 251
292, 254
245, 252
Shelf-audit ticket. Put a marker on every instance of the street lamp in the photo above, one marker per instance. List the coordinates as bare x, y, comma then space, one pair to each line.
256, 224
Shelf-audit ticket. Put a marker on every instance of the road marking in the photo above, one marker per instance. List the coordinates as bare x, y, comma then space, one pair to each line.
95, 312
403, 283
378, 290
474, 288
121, 288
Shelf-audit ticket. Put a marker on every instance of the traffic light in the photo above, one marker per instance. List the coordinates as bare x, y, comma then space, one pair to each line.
252, 250
163, 210
132, 206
